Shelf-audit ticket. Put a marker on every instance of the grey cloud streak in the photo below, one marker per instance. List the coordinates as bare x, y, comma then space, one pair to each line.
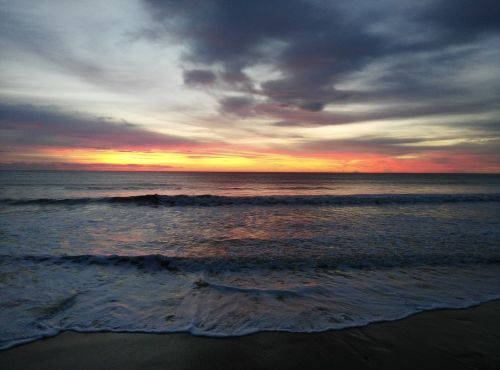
199, 77
482, 145
29, 125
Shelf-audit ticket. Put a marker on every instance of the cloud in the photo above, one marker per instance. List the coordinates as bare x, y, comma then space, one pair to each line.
462, 20
237, 105
71, 166
480, 145
316, 46
196, 77
29, 125
313, 106
261, 74
379, 145
235, 35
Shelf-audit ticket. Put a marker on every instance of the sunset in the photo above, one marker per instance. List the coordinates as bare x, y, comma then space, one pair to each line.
249, 184
247, 86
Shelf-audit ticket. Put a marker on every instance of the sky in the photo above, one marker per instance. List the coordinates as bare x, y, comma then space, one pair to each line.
261, 85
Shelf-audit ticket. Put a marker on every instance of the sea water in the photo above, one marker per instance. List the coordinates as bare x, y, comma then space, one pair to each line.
226, 254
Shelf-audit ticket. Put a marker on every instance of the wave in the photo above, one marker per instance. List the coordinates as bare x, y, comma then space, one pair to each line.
115, 187
342, 321
158, 262
220, 305
281, 200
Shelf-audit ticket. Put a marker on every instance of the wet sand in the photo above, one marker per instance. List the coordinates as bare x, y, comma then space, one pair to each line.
442, 339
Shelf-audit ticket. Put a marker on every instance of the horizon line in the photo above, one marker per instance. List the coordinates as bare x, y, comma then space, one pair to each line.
256, 172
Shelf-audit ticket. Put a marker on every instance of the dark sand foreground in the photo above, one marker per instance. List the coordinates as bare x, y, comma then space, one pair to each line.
443, 339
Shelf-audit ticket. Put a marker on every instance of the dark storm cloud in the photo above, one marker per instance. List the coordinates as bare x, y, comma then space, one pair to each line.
462, 19
28, 125
238, 34
316, 44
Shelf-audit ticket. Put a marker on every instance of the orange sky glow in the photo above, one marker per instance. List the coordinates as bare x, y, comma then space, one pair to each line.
258, 161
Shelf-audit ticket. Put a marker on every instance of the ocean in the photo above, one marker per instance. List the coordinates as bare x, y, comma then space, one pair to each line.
228, 254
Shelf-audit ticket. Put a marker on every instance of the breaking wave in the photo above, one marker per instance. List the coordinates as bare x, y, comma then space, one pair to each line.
158, 262
282, 200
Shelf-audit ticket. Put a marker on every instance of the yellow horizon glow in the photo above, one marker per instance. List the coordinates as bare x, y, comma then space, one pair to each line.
249, 160
200, 161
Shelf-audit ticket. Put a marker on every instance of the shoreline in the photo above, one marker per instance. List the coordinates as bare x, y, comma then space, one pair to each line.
257, 332
460, 338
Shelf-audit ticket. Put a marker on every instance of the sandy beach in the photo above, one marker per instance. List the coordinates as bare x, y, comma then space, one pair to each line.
441, 339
